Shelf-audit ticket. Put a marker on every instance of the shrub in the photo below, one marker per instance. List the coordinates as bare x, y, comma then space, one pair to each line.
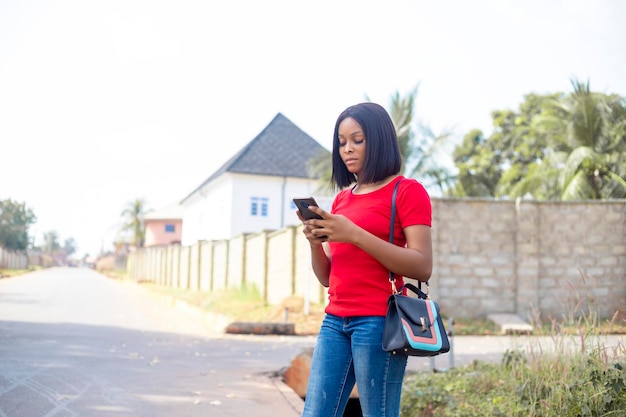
575, 375
554, 386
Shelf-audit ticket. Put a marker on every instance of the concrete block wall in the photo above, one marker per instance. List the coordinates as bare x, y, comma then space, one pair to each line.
236, 270
183, 270
583, 258
535, 259
529, 258
473, 249
256, 262
220, 265
280, 265
194, 267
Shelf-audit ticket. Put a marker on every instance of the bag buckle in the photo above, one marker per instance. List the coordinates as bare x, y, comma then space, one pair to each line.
394, 289
423, 322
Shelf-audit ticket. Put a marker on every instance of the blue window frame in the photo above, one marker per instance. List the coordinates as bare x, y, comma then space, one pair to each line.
254, 206
170, 228
259, 206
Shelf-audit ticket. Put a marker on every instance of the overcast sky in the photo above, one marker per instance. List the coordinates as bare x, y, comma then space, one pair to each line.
103, 102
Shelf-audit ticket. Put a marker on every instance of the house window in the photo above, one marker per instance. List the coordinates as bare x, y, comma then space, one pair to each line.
170, 228
259, 206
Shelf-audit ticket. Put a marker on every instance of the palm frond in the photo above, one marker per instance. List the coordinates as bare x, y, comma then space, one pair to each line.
613, 187
577, 158
579, 188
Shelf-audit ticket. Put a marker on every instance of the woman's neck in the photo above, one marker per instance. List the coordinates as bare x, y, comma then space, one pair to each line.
372, 186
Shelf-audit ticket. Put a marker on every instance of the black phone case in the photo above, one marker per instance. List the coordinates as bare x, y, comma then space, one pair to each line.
303, 205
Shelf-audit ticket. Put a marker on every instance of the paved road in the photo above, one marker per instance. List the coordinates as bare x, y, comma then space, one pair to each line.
75, 343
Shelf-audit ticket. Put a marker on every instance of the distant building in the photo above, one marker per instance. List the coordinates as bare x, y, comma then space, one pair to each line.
252, 192
164, 226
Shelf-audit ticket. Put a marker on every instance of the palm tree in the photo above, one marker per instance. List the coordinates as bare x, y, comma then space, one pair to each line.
321, 167
425, 153
401, 112
51, 242
593, 146
419, 148
133, 225
586, 155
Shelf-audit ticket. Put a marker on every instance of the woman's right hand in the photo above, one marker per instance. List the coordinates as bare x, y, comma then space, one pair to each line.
320, 260
308, 231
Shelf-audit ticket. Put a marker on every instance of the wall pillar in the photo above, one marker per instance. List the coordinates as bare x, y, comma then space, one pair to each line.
527, 258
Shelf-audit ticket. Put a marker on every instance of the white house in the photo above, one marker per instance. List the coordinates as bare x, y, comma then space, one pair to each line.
253, 191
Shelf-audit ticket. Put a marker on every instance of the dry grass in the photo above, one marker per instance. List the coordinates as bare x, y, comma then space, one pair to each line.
246, 305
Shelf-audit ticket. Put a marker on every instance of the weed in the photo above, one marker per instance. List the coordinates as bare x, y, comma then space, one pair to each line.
568, 372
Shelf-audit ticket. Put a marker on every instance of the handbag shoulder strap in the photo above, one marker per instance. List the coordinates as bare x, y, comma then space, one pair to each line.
392, 276
393, 213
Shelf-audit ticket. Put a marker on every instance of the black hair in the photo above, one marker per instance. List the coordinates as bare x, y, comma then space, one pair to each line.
382, 152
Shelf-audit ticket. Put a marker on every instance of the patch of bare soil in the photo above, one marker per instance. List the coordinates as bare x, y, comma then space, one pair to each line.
292, 310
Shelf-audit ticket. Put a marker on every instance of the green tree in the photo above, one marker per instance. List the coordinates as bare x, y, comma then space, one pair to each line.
424, 160
521, 143
401, 109
419, 146
321, 167
132, 222
556, 146
593, 126
491, 166
15, 220
478, 174
51, 243
69, 246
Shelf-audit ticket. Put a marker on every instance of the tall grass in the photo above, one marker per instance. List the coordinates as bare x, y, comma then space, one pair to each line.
566, 371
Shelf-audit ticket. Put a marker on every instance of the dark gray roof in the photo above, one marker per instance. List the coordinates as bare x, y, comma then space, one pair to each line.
281, 149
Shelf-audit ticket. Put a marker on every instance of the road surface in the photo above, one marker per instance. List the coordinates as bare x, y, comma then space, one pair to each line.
76, 343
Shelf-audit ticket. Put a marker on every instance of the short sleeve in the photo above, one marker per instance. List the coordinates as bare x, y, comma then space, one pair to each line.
413, 204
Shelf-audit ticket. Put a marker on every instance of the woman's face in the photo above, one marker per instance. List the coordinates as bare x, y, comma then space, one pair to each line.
352, 145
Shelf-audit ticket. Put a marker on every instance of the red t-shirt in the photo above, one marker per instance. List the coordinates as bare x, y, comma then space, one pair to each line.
359, 284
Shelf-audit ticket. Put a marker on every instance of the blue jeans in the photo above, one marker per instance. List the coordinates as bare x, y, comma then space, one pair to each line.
349, 350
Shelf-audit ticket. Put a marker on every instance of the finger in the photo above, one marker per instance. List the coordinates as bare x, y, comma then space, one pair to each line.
320, 235
309, 230
317, 210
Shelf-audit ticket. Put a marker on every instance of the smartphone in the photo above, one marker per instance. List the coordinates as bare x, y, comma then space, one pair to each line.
303, 206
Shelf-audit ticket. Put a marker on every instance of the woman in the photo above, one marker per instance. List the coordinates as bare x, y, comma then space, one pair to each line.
354, 264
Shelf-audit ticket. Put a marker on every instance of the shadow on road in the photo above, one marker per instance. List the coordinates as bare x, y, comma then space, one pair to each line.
66, 369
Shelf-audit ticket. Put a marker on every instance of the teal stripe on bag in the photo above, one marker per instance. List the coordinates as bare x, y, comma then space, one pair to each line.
433, 328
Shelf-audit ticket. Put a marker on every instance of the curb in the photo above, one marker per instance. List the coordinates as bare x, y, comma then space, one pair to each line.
287, 392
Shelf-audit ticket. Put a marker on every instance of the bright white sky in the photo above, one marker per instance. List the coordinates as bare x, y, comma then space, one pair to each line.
103, 102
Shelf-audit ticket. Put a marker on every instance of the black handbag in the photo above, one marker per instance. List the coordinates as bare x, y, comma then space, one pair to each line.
413, 325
